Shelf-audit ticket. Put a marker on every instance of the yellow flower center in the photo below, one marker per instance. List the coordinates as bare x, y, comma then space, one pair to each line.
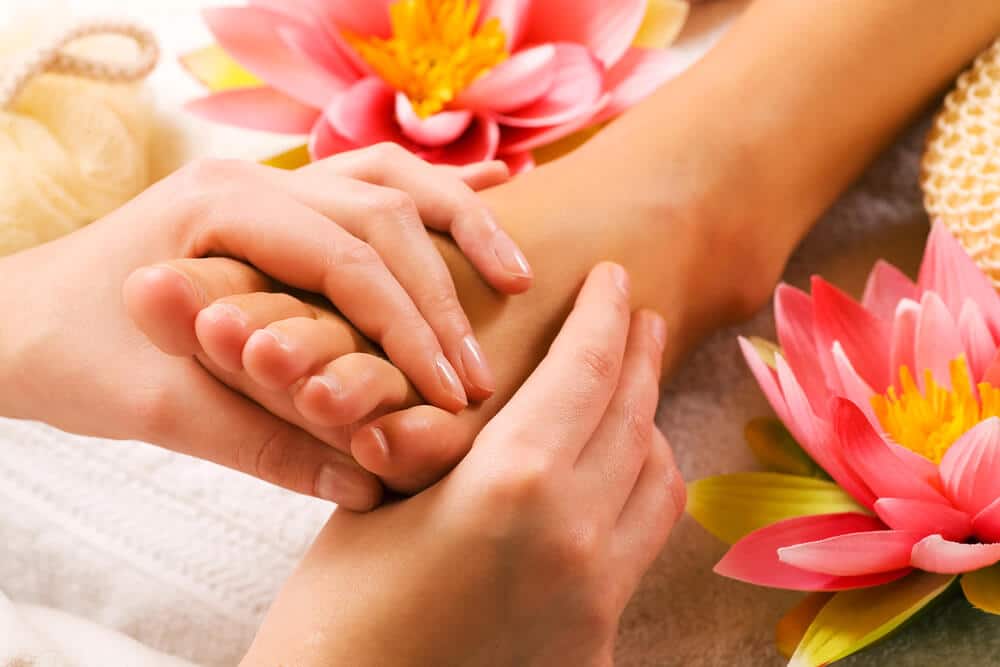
435, 51
929, 422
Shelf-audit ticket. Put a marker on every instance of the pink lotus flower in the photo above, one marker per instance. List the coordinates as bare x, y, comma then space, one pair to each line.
454, 81
897, 400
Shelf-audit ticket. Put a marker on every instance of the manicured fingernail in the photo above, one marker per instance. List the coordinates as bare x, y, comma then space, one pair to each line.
370, 448
449, 379
226, 311
510, 256
658, 329
620, 276
342, 484
476, 368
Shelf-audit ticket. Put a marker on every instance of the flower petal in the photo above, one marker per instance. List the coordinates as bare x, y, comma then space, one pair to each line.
949, 271
636, 76
366, 114
903, 347
980, 348
853, 620
478, 143
795, 321
324, 141
662, 23
937, 341
766, 378
576, 88
793, 625
970, 469
982, 589
217, 70
886, 287
873, 460
924, 517
852, 386
605, 28
369, 18
261, 108
754, 559
865, 337
514, 83
733, 506
853, 554
520, 139
251, 36
777, 450
513, 15
935, 554
437, 130
986, 524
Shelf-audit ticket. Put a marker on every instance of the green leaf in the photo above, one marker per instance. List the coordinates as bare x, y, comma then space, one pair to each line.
731, 506
793, 625
767, 350
853, 620
982, 588
777, 450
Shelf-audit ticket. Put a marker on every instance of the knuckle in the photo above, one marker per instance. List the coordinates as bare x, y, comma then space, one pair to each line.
270, 458
212, 172
396, 207
637, 426
599, 363
357, 253
387, 152
520, 483
574, 549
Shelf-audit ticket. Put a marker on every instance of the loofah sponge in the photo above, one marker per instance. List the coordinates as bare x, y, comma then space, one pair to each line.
73, 143
961, 166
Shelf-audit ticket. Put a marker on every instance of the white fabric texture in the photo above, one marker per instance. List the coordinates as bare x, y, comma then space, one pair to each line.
184, 556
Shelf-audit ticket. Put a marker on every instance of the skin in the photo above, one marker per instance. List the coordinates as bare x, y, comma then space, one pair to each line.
544, 530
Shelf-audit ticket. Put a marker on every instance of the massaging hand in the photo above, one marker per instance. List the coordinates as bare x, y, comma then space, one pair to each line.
349, 228
527, 553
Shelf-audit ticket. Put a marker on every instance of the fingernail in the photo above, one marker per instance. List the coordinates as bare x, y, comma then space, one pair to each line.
373, 452
658, 329
226, 311
475, 365
329, 383
620, 276
344, 485
449, 379
510, 256
276, 336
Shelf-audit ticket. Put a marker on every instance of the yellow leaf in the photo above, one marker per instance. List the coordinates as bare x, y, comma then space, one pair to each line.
982, 588
217, 70
852, 620
662, 23
793, 625
732, 506
291, 159
767, 350
777, 450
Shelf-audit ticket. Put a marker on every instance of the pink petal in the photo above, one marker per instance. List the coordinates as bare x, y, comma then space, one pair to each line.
976, 339
886, 287
903, 347
970, 469
992, 372
923, 468
478, 143
318, 46
793, 315
261, 108
924, 518
865, 337
636, 76
513, 15
851, 384
577, 86
605, 28
876, 464
937, 341
853, 554
817, 438
754, 559
986, 524
437, 130
324, 141
519, 163
950, 272
766, 378
366, 114
520, 139
935, 554
514, 83
369, 18
251, 36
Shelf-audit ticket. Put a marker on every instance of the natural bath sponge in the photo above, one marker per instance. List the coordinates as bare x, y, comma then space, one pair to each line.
74, 132
961, 166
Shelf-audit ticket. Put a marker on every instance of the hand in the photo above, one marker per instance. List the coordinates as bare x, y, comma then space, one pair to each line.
527, 553
75, 360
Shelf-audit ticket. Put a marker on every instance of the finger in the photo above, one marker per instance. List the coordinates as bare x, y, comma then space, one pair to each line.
285, 351
389, 222
164, 299
299, 247
412, 449
561, 404
446, 205
479, 175
224, 327
610, 462
656, 503
242, 436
